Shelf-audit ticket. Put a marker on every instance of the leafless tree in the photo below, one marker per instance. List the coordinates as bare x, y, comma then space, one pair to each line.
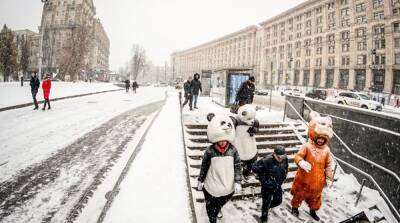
8, 53
24, 60
138, 60
73, 58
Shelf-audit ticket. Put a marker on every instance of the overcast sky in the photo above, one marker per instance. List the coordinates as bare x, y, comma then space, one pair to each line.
161, 26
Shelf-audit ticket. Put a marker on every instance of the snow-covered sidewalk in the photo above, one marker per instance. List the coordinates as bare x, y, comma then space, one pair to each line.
11, 93
28, 136
155, 189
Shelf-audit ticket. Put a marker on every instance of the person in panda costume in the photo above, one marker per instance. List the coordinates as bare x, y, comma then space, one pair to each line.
245, 141
220, 173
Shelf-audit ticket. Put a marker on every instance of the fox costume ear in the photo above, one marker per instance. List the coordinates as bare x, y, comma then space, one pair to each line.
210, 116
314, 114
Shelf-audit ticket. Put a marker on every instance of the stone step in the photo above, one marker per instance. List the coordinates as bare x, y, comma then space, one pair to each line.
260, 145
259, 138
247, 192
196, 163
198, 154
261, 131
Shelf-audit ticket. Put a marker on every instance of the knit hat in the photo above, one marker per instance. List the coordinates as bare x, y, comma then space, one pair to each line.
252, 78
220, 128
280, 150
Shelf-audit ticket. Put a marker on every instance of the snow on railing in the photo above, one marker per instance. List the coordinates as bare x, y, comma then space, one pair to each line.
392, 207
359, 156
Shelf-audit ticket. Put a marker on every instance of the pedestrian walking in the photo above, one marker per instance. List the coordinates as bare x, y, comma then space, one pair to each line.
46, 86
22, 80
315, 166
127, 85
271, 171
35, 84
220, 174
383, 101
195, 87
246, 127
187, 93
134, 86
246, 91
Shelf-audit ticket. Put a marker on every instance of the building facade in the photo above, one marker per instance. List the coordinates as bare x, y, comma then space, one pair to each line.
233, 50
100, 52
32, 39
62, 19
340, 44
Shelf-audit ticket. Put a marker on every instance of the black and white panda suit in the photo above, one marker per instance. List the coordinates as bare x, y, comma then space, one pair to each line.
220, 173
245, 142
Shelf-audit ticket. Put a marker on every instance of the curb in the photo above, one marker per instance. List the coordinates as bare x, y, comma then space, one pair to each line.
55, 99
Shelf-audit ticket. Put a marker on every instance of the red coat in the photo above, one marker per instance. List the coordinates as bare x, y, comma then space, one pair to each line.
46, 85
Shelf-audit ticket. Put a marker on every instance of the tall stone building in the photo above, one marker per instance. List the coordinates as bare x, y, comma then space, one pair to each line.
32, 38
233, 50
61, 20
341, 44
99, 55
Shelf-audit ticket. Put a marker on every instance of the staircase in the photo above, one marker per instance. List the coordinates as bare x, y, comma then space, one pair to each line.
246, 205
268, 137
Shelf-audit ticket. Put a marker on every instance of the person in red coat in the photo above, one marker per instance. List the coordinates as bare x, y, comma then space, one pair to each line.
46, 86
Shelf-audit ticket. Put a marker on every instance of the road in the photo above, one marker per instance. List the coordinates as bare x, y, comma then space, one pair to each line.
49, 183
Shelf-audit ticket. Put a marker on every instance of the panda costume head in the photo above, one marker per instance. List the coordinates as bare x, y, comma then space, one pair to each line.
247, 114
220, 128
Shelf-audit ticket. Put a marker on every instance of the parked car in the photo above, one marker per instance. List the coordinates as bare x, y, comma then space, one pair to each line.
292, 92
261, 92
357, 99
319, 94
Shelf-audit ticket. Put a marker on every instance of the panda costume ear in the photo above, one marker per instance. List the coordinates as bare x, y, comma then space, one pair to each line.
235, 122
210, 116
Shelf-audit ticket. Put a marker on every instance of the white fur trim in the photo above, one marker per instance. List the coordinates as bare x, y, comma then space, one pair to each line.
220, 176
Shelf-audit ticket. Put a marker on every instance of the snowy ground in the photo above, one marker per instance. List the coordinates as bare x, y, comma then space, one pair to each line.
48, 159
11, 93
338, 203
155, 189
206, 106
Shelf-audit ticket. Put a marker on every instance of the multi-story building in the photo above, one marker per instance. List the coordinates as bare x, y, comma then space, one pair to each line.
341, 44
233, 50
100, 53
32, 40
61, 19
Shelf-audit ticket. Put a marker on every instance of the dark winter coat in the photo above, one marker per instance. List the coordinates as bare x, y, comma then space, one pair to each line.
46, 85
246, 92
195, 86
127, 83
135, 84
270, 172
186, 88
35, 84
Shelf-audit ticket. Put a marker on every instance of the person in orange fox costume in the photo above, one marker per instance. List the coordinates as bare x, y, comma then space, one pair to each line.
315, 169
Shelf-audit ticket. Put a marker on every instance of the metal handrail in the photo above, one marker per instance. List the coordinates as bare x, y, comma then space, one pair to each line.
358, 123
382, 193
359, 156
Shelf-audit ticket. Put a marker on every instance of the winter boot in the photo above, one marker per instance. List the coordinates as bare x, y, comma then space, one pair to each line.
219, 216
264, 219
314, 215
295, 212
48, 103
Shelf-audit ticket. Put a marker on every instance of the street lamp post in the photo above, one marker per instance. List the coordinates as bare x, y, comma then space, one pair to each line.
45, 2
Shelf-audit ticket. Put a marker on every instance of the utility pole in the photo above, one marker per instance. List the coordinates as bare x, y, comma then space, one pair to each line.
165, 71
42, 27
